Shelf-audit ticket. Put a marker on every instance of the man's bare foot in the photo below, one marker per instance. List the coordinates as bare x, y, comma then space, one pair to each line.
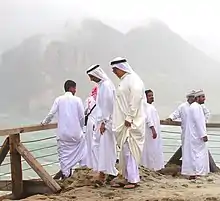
131, 186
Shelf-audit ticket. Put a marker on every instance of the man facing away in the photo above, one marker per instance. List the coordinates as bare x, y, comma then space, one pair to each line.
152, 157
182, 112
70, 138
90, 107
195, 156
129, 121
104, 135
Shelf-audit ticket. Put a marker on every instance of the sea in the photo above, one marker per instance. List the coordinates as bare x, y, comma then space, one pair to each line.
42, 145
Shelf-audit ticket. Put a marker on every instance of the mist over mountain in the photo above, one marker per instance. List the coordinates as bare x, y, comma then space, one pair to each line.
32, 74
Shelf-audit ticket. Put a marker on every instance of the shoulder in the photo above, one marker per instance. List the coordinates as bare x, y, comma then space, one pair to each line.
78, 99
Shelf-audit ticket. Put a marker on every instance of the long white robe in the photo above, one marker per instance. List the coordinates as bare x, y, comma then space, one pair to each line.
90, 131
152, 157
130, 105
71, 142
107, 154
195, 157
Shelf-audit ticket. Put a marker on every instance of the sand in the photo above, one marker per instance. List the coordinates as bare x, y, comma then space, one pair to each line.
167, 185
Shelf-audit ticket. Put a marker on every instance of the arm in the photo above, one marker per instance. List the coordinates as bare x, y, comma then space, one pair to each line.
81, 113
150, 123
106, 101
176, 114
51, 114
206, 112
199, 120
136, 95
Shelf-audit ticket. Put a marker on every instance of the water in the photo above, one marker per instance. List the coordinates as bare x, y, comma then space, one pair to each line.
46, 151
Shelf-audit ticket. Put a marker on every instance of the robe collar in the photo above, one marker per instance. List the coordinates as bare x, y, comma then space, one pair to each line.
124, 76
68, 93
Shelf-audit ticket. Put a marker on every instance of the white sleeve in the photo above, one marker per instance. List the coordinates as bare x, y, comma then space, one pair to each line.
176, 114
52, 112
81, 113
136, 95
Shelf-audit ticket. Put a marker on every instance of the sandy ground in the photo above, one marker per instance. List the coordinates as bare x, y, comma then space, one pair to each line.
167, 185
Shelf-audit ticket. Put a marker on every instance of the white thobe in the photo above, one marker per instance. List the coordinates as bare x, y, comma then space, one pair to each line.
70, 138
107, 154
195, 157
152, 157
130, 105
90, 131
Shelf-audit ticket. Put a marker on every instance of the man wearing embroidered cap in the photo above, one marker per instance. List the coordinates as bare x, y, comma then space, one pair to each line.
104, 136
129, 120
195, 158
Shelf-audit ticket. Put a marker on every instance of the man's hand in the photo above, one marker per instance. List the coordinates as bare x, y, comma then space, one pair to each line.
154, 133
127, 124
205, 138
102, 128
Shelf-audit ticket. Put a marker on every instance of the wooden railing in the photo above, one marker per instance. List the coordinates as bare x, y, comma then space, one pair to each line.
21, 188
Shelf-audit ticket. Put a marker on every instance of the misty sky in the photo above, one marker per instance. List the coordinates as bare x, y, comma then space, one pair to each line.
22, 18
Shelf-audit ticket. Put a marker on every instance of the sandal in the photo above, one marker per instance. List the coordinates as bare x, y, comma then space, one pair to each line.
118, 185
110, 178
131, 186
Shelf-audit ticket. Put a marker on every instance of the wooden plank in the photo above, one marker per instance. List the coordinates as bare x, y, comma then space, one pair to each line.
37, 167
177, 123
176, 157
16, 167
34, 128
27, 129
4, 150
31, 187
213, 167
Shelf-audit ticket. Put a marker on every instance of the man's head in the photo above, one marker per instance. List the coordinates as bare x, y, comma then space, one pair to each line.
120, 67
191, 97
200, 96
150, 96
70, 86
96, 74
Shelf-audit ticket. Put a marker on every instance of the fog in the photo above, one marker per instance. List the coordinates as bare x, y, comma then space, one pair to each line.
173, 45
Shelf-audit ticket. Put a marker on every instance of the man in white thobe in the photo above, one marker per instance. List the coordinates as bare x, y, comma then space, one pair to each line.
152, 157
195, 157
129, 120
90, 125
107, 154
182, 112
70, 138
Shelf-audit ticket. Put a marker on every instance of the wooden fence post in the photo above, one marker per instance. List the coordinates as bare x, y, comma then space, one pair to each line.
16, 166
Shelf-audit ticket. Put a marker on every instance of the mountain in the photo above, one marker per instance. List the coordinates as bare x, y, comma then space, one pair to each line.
32, 74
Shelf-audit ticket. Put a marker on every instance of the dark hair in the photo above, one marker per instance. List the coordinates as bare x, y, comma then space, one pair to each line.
148, 91
68, 84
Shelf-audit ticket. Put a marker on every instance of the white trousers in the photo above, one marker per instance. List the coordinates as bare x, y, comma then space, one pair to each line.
131, 167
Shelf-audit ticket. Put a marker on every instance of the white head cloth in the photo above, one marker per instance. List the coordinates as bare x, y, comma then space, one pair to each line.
97, 71
122, 64
199, 93
190, 94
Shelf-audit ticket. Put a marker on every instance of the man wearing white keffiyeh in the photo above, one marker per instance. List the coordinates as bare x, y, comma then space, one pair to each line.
129, 120
104, 136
